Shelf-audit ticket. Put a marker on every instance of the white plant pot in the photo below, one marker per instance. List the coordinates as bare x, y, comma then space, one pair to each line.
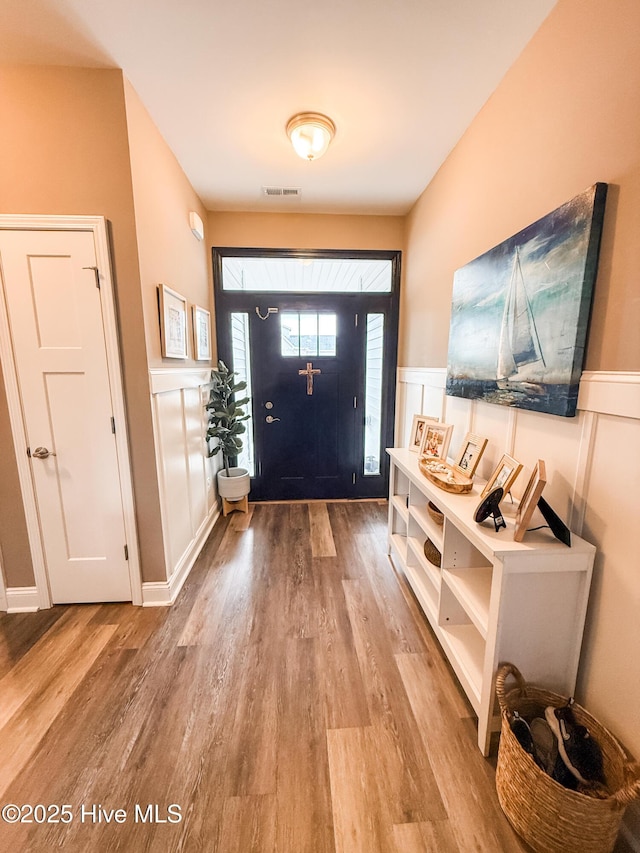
235, 486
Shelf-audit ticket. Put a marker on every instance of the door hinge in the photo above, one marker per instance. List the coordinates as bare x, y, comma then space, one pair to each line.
29, 452
126, 552
355, 318
353, 478
113, 425
355, 402
97, 273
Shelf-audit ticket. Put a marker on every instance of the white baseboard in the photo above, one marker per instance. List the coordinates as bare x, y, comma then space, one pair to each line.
164, 593
22, 599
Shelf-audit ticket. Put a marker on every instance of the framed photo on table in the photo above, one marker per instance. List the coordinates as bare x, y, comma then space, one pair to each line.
471, 451
417, 431
201, 333
435, 440
173, 323
504, 475
529, 500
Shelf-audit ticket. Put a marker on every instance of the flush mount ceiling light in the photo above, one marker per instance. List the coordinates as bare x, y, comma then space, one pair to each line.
310, 134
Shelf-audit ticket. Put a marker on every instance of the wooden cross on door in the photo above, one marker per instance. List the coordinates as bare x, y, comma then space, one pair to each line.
309, 373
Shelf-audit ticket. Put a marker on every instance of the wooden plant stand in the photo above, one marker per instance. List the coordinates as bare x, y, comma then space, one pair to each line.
242, 505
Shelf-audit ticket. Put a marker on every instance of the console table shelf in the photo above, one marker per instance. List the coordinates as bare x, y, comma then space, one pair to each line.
492, 599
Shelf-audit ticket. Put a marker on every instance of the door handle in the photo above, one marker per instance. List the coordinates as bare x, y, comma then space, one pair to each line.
270, 419
42, 453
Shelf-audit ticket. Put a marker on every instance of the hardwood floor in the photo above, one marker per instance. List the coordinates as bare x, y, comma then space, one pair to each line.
292, 700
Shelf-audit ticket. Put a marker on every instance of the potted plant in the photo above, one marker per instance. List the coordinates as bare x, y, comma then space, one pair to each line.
226, 425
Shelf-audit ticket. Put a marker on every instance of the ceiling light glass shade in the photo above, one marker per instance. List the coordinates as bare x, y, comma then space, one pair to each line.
310, 134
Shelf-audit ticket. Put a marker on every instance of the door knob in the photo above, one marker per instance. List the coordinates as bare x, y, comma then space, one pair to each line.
42, 453
270, 419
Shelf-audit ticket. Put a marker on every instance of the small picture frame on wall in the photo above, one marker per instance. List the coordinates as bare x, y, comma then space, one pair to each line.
173, 323
417, 431
529, 500
435, 440
201, 333
504, 475
471, 451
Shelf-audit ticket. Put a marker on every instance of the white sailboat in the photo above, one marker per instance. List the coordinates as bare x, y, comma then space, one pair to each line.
519, 342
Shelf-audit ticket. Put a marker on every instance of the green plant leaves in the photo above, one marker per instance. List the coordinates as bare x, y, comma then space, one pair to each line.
226, 414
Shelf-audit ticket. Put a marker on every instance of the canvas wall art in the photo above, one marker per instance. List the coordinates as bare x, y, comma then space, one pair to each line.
520, 312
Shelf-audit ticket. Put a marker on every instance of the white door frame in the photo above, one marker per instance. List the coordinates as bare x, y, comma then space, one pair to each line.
97, 225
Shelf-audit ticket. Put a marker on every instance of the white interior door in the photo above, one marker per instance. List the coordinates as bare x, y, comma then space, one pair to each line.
55, 316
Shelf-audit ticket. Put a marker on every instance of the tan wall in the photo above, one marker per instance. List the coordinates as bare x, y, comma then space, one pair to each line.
305, 231
168, 252
565, 116
64, 150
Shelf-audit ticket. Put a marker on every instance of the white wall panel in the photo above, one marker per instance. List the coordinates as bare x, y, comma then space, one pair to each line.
196, 459
613, 633
173, 458
187, 493
411, 405
593, 469
495, 424
460, 413
557, 441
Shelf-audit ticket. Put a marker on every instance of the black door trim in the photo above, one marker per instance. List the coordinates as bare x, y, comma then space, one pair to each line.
230, 301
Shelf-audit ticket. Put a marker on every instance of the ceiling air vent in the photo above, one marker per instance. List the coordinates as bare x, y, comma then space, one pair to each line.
282, 192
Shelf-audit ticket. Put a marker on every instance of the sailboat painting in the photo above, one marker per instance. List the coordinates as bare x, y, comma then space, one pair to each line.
520, 312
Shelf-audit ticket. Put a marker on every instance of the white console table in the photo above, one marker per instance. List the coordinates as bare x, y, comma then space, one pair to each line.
493, 599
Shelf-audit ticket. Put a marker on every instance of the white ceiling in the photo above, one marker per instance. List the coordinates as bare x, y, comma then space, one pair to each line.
402, 80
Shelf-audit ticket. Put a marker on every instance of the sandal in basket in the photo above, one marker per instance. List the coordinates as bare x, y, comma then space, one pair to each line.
545, 744
520, 728
580, 753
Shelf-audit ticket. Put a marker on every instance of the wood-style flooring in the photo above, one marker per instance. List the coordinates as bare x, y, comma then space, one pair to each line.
293, 700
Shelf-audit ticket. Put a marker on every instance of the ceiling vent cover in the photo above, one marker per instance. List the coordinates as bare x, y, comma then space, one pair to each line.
282, 192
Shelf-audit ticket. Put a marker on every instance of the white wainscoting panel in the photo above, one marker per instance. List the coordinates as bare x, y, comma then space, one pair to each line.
411, 400
593, 468
462, 415
497, 426
173, 459
564, 443
556, 440
421, 393
188, 499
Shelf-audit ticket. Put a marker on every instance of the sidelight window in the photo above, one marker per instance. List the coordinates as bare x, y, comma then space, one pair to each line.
373, 393
241, 359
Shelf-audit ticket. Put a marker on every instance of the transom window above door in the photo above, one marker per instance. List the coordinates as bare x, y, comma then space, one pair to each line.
307, 334
306, 275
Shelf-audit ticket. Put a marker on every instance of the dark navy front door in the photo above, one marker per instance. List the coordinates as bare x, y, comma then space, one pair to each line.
305, 403
314, 333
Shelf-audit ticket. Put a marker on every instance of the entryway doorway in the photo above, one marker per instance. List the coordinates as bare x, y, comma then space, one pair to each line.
314, 334
61, 366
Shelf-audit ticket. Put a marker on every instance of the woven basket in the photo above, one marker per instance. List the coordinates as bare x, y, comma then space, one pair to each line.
549, 817
432, 554
435, 513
